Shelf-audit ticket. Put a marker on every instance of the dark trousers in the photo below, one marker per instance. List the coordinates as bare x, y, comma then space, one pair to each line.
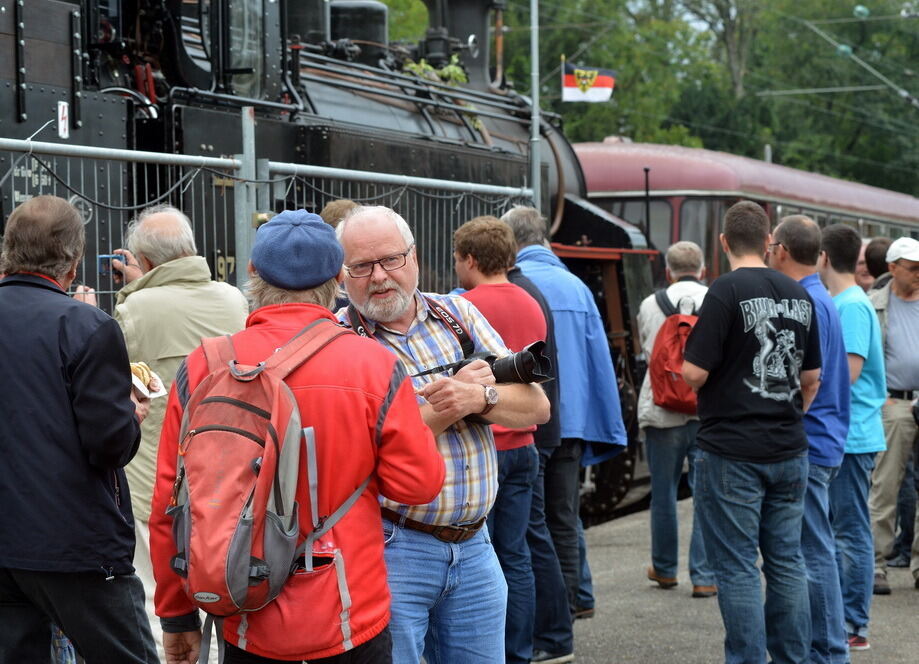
552, 630
377, 650
906, 510
562, 502
105, 620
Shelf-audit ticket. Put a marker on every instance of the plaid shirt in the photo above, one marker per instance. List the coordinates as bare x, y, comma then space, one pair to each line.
468, 450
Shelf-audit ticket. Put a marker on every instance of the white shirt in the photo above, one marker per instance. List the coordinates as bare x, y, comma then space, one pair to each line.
650, 319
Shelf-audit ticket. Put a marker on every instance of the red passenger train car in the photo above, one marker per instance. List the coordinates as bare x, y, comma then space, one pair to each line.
689, 190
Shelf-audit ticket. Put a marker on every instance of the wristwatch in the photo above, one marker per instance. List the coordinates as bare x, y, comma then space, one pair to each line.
491, 398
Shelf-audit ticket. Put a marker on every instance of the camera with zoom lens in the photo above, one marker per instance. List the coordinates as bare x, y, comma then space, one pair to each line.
529, 365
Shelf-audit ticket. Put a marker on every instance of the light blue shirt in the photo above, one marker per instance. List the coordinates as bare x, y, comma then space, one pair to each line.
588, 395
862, 336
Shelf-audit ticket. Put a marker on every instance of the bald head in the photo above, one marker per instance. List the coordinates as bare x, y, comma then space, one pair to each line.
801, 238
161, 234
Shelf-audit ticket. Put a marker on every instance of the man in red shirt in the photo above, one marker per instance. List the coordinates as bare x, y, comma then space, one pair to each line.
484, 250
355, 396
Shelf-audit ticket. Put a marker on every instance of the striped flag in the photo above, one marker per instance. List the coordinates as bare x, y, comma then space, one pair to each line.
586, 83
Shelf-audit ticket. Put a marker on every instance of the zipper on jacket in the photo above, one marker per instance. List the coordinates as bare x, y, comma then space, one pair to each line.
117, 488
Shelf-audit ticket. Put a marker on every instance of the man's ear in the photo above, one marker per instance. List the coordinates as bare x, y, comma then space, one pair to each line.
702, 273
667, 275
724, 243
250, 269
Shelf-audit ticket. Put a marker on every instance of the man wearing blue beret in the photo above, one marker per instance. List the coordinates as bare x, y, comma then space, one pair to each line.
449, 593
366, 440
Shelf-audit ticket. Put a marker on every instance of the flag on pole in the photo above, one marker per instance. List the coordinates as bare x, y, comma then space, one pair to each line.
586, 83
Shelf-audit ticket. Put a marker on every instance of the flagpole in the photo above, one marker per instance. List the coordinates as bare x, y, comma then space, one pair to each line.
535, 170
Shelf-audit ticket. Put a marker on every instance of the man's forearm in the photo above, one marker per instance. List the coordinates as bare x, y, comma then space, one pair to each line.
520, 405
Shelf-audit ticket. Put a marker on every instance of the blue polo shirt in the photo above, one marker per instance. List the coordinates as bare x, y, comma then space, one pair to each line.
826, 422
862, 335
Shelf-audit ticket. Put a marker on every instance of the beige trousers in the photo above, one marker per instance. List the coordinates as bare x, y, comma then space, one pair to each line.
900, 431
144, 568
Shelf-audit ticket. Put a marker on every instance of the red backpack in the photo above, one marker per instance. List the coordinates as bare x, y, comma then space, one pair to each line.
669, 389
235, 518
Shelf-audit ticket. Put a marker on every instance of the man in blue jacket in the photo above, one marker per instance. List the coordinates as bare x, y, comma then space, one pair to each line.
70, 424
589, 411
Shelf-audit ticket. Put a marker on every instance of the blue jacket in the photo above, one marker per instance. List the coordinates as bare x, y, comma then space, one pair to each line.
68, 428
588, 395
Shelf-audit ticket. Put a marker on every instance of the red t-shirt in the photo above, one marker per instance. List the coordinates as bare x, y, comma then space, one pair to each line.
519, 320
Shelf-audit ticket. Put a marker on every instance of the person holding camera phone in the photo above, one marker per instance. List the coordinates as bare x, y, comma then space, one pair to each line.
448, 612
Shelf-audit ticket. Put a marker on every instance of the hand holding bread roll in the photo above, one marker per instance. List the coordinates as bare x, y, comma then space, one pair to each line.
143, 373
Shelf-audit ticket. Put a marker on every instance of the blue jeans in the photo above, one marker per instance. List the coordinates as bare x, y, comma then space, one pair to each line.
854, 543
666, 450
828, 632
585, 595
507, 526
552, 631
448, 600
747, 509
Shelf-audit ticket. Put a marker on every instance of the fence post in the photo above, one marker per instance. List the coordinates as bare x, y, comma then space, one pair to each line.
244, 197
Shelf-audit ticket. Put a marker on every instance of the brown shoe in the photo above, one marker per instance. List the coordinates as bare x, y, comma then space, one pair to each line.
704, 591
662, 581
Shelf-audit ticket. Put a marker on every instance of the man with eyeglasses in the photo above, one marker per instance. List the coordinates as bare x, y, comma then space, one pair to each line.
448, 590
897, 307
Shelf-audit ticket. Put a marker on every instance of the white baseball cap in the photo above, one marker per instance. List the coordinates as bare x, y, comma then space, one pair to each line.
905, 247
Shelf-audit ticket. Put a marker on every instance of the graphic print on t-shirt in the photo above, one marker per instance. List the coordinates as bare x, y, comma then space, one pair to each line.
777, 365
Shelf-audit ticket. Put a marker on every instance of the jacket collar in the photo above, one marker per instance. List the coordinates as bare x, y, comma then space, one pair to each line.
189, 269
294, 315
32, 280
539, 254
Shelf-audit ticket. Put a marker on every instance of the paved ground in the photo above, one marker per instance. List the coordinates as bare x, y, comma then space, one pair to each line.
638, 622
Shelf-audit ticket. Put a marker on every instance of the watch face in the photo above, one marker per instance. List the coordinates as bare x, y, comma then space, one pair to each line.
491, 395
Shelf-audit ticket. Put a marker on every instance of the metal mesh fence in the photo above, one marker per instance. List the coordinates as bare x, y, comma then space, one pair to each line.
109, 193
432, 215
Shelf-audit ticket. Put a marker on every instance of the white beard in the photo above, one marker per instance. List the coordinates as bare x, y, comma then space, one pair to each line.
388, 309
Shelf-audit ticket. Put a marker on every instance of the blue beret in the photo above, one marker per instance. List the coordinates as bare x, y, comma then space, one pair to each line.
296, 250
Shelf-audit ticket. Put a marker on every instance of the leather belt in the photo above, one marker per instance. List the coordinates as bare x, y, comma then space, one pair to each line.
903, 394
448, 534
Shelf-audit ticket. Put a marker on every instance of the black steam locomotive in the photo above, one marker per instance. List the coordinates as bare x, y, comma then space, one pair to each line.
328, 88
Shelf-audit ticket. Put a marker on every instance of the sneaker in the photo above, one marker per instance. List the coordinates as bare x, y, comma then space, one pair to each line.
900, 560
857, 642
663, 581
583, 612
881, 587
544, 657
704, 591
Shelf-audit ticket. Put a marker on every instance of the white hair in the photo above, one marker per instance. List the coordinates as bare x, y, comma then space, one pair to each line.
159, 244
382, 210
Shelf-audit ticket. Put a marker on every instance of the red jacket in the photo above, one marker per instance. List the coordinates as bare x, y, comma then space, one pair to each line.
343, 393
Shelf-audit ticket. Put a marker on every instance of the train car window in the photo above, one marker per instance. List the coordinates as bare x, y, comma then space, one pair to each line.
661, 217
870, 230
698, 219
246, 30
895, 232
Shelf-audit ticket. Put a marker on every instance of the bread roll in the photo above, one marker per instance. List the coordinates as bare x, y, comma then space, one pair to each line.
143, 372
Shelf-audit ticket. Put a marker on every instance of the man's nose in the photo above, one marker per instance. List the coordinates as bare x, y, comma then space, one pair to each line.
378, 273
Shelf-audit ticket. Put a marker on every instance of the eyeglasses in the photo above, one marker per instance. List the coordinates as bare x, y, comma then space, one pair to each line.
388, 263
777, 244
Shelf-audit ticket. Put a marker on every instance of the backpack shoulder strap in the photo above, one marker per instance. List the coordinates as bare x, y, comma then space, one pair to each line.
218, 351
666, 306
306, 343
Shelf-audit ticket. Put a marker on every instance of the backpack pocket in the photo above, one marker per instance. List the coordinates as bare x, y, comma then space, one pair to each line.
181, 526
280, 546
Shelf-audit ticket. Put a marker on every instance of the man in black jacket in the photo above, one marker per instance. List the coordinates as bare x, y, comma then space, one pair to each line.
70, 424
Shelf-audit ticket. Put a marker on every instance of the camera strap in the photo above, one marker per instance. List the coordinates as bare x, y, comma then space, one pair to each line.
455, 326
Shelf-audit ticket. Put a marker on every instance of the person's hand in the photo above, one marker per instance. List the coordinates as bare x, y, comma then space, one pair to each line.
182, 647
454, 398
86, 294
155, 385
141, 405
477, 371
127, 270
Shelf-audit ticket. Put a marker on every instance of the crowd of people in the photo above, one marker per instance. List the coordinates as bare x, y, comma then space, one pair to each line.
436, 515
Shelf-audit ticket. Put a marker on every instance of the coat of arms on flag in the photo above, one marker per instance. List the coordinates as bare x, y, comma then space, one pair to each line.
586, 83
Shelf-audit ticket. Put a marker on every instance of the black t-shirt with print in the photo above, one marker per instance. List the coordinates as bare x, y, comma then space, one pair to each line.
756, 332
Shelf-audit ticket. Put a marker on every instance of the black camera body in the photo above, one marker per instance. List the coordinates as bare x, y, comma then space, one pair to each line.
527, 366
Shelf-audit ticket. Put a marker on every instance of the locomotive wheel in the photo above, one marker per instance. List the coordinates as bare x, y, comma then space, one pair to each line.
611, 480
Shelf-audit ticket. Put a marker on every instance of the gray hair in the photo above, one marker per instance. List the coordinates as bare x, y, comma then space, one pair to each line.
685, 258
159, 244
389, 213
262, 294
528, 224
